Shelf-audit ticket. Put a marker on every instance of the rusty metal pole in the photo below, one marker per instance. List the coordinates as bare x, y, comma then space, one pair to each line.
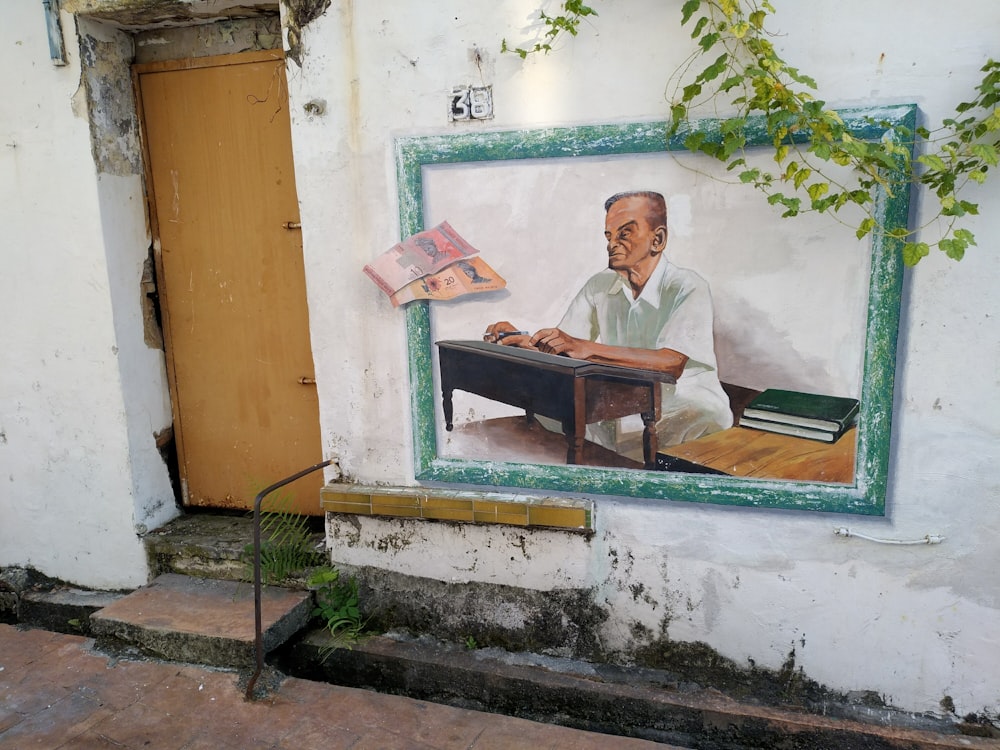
257, 586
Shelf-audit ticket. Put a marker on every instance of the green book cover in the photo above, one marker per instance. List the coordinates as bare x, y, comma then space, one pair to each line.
831, 413
789, 429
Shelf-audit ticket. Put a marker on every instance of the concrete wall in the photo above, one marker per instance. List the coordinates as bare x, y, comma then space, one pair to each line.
912, 623
81, 397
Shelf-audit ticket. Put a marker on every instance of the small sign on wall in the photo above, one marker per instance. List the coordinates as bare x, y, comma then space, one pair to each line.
471, 103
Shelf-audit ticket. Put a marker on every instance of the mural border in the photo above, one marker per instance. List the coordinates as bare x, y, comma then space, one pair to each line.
865, 496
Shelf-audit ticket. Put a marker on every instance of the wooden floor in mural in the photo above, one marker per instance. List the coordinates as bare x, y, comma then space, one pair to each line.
738, 451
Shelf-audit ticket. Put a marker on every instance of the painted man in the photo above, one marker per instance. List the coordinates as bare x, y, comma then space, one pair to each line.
644, 312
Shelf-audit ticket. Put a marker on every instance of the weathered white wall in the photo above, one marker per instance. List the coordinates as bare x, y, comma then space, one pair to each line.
79, 464
913, 623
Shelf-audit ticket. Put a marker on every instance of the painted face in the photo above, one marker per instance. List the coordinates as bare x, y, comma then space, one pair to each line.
631, 239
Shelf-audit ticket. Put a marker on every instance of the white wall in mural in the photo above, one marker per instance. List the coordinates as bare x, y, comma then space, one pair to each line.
790, 297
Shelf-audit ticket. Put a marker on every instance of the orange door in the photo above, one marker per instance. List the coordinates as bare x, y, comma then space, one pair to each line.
231, 280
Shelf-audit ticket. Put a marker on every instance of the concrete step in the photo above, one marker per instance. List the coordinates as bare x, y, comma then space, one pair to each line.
209, 546
201, 620
633, 702
63, 609
204, 545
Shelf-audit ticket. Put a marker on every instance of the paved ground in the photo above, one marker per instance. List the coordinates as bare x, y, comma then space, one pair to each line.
58, 692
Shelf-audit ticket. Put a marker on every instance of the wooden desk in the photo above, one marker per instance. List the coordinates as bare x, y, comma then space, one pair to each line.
743, 452
574, 392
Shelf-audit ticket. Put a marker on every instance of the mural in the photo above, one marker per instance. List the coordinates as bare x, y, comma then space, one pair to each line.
672, 340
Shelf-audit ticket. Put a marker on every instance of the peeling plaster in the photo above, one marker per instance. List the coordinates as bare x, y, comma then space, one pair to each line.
224, 37
107, 80
300, 13
133, 15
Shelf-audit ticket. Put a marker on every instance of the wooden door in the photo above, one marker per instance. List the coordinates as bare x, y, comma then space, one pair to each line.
231, 280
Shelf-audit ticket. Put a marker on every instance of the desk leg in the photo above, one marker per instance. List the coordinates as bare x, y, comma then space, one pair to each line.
576, 429
574, 441
650, 440
448, 407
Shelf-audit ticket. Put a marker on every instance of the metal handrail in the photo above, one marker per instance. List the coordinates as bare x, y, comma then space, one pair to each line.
257, 586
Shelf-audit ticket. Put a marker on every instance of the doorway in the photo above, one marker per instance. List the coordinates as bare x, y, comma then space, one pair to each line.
224, 216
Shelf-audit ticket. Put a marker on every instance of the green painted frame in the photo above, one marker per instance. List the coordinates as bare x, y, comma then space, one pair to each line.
865, 496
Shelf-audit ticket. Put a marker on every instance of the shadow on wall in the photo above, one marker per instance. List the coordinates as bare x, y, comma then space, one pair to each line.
752, 353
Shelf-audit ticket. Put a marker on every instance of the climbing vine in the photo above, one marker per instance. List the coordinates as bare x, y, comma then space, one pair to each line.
567, 22
735, 66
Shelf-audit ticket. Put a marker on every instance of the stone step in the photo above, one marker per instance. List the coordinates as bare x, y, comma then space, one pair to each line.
201, 620
208, 546
63, 609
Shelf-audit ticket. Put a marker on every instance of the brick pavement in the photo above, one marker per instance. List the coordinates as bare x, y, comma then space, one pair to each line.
57, 692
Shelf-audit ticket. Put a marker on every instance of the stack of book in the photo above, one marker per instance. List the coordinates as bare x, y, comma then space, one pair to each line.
806, 415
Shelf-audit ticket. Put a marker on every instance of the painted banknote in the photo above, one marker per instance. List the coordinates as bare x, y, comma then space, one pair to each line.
469, 276
417, 256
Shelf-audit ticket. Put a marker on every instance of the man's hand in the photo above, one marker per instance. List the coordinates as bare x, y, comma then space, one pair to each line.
507, 334
555, 341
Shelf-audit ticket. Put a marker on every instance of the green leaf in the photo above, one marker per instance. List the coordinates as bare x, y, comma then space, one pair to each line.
714, 70
801, 176
822, 150
840, 157
857, 149
861, 197
730, 83
691, 91
986, 152
749, 175
954, 249
803, 79
693, 142
688, 10
732, 125
818, 189
865, 227
965, 236
731, 143
793, 205
914, 251
678, 113
707, 41
933, 161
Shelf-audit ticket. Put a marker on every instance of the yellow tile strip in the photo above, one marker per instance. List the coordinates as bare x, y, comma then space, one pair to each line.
469, 506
